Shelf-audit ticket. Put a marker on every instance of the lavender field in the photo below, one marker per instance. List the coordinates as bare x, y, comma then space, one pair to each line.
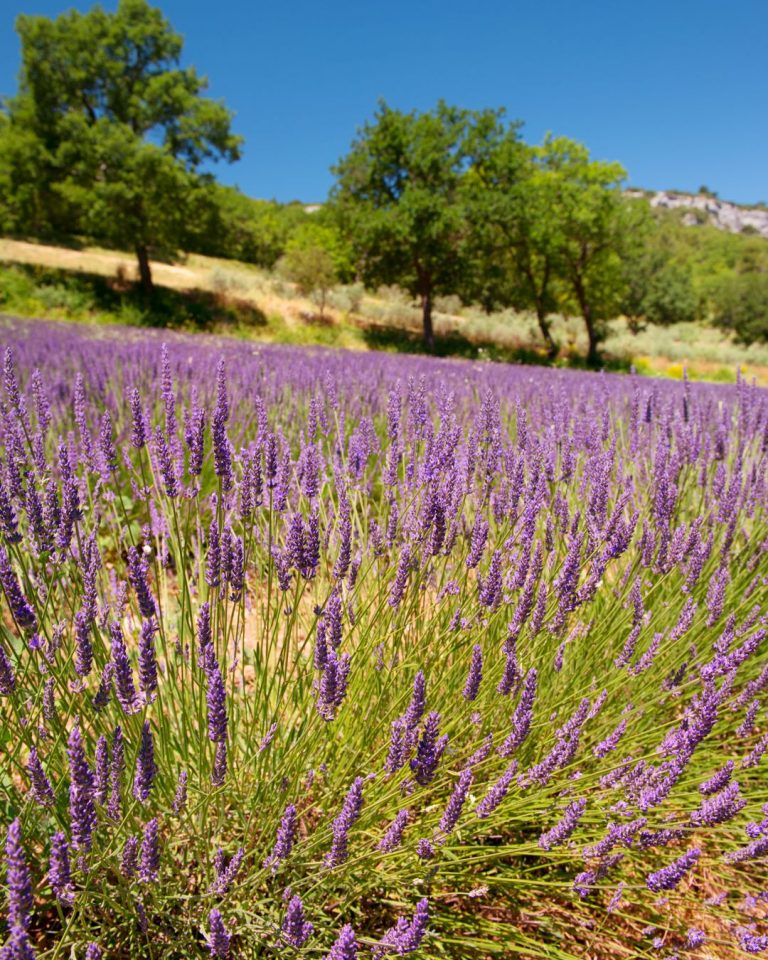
313, 654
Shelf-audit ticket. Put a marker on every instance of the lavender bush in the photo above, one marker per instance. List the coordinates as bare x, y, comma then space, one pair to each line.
323, 655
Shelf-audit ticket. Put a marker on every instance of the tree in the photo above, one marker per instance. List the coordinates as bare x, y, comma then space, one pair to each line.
312, 270
398, 197
741, 305
515, 239
121, 128
594, 229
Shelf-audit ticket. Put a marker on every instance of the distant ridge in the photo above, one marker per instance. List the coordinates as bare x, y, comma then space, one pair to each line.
706, 208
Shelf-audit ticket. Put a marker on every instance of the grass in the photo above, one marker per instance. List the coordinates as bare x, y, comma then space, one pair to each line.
205, 294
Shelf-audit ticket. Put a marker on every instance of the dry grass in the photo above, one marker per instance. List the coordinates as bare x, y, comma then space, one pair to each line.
377, 321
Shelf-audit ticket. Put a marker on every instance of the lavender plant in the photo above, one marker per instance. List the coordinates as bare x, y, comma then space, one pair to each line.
341, 656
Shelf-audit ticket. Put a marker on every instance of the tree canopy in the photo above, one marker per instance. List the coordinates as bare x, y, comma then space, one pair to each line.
399, 197
113, 128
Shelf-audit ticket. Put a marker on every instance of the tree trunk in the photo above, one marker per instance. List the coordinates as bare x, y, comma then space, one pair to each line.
145, 271
552, 347
593, 354
426, 315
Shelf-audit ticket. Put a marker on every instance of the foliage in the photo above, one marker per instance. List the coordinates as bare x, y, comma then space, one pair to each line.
119, 128
398, 197
741, 305
312, 269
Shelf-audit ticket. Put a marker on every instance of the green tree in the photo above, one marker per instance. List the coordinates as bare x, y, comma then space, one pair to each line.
594, 229
121, 128
398, 198
741, 305
515, 240
312, 270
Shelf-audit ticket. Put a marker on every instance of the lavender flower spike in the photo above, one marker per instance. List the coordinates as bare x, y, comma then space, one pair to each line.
82, 811
394, 835
562, 830
475, 675
19, 882
149, 866
343, 823
669, 877
345, 947
41, 785
284, 841
406, 935
219, 939
456, 802
59, 870
145, 765
296, 930
93, 952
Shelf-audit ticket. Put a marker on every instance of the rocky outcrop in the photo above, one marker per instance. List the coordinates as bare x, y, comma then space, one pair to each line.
708, 209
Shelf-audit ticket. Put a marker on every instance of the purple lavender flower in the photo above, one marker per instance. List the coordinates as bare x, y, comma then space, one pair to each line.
610, 743
20, 608
219, 771
415, 711
82, 812
429, 750
562, 830
42, 790
129, 860
166, 465
670, 876
138, 423
7, 676
83, 647
496, 792
137, 574
216, 698
394, 834
19, 882
93, 952
333, 685
718, 780
295, 929
522, 717
343, 823
456, 802
180, 798
226, 872
122, 673
475, 675
149, 866
406, 935
284, 842
148, 660
345, 946
720, 808
145, 765
425, 849
399, 747
695, 938
59, 870
397, 592
219, 938
490, 588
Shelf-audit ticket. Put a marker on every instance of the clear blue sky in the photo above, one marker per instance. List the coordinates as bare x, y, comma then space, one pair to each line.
677, 91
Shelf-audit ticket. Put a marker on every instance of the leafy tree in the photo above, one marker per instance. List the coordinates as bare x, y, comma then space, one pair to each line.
312, 270
398, 197
515, 240
594, 230
741, 305
121, 128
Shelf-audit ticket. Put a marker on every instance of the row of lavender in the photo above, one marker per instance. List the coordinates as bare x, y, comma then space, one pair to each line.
354, 655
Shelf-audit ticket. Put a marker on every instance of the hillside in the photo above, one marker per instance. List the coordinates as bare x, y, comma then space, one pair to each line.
705, 208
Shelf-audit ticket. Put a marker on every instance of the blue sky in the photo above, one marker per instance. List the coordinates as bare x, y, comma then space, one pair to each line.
677, 91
